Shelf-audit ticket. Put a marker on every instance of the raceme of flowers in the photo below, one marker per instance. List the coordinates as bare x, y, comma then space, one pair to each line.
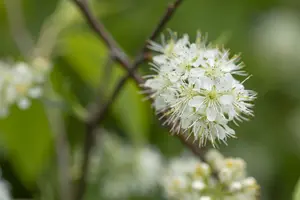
4, 190
20, 82
220, 179
121, 170
195, 90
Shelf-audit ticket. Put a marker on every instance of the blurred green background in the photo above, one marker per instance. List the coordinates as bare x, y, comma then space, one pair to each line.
266, 32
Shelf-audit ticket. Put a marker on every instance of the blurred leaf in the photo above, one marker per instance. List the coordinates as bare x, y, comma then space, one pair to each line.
88, 57
133, 113
28, 139
65, 97
86, 54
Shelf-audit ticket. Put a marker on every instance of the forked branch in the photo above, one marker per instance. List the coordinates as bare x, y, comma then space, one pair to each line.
101, 110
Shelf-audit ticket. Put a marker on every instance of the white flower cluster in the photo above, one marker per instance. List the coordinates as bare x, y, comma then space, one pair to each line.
222, 178
20, 82
4, 190
122, 170
195, 89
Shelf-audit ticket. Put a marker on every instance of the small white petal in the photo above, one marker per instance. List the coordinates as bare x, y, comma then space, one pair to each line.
196, 72
159, 103
211, 114
225, 83
4, 112
35, 92
229, 130
196, 101
226, 99
248, 182
185, 123
211, 62
231, 113
205, 198
199, 62
235, 186
211, 53
207, 83
159, 59
198, 185
154, 84
221, 134
24, 103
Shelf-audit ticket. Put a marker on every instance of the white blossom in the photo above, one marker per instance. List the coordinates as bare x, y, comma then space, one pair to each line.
189, 178
195, 88
20, 82
4, 190
122, 170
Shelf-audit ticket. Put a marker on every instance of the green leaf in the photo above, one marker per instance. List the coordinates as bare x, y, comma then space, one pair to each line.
88, 57
296, 195
27, 137
86, 54
133, 113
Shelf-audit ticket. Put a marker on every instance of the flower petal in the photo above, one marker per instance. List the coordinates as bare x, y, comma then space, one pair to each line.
207, 83
221, 134
226, 99
211, 114
196, 72
24, 103
35, 92
196, 101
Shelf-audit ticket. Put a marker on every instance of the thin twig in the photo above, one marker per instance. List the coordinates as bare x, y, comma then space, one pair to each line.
87, 148
117, 53
96, 117
61, 146
140, 58
90, 129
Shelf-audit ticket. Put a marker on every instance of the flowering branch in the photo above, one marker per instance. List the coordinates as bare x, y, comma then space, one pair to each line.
140, 58
99, 113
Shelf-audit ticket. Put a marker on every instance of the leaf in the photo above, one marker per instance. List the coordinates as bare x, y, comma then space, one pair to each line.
27, 137
133, 113
87, 56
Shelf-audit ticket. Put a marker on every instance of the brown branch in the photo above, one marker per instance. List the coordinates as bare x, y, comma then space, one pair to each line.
140, 58
100, 111
166, 17
87, 148
116, 52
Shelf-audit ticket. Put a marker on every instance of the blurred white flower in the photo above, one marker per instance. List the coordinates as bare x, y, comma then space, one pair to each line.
189, 178
20, 82
149, 166
137, 173
4, 190
195, 89
121, 170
